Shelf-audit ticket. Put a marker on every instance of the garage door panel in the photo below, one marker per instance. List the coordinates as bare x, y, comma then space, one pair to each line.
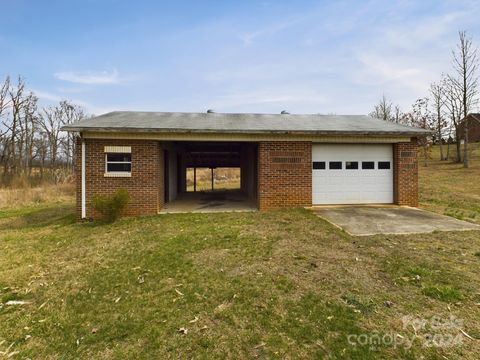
352, 186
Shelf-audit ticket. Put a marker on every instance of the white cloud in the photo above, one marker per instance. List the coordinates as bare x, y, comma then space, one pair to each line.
433, 30
379, 69
249, 36
401, 59
48, 98
272, 99
90, 78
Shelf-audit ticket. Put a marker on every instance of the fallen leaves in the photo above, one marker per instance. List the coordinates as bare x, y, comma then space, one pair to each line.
388, 303
43, 304
225, 305
220, 308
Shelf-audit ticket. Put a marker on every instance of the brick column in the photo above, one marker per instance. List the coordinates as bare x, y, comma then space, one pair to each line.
405, 173
284, 174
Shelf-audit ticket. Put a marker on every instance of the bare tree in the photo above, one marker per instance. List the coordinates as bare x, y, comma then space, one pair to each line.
4, 101
454, 105
397, 114
437, 91
465, 65
70, 113
383, 110
28, 128
421, 117
50, 123
17, 101
4, 104
30, 137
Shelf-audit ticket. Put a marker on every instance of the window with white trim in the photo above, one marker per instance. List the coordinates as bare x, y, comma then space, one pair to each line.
118, 163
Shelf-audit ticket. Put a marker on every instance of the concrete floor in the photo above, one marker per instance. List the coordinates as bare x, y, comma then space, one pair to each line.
217, 201
371, 220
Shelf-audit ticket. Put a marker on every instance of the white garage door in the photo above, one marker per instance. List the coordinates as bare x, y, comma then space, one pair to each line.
352, 174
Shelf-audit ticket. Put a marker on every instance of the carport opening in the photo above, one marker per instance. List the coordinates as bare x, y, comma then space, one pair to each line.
208, 176
213, 179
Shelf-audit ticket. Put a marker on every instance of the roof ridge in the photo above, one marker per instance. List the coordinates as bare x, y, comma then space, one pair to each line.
228, 113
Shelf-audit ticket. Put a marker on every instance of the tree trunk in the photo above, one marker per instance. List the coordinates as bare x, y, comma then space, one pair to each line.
439, 129
459, 157
440, 142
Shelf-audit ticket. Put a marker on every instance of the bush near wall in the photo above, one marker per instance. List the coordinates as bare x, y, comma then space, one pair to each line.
111, 207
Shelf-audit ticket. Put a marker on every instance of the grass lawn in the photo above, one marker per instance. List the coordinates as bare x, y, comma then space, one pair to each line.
280, 284
450, 189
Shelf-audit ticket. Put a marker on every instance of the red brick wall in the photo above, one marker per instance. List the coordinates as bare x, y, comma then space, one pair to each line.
405, 173
284, 174
145, 186
473, 129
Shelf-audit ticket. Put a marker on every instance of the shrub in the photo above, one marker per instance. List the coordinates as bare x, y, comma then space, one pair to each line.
111, 207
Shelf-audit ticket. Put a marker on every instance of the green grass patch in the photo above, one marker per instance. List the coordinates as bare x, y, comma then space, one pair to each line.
364, 305
444, 293
324, 325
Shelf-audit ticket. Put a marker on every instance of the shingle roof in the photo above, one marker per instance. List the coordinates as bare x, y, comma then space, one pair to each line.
132, 121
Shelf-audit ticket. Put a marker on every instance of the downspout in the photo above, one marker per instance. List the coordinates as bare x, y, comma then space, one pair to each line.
84, 197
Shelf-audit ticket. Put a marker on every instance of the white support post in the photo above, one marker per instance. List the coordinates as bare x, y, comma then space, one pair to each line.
84, 197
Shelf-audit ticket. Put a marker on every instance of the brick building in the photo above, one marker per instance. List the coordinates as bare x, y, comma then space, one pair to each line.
473, 121
285, 160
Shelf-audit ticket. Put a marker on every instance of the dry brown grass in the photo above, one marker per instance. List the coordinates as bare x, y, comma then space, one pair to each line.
31, 196
448, 188
224, 178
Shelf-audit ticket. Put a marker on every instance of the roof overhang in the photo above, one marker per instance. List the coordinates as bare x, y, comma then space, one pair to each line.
249, 137
73, 128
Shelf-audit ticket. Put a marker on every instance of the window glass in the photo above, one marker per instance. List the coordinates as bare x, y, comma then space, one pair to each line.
335, 165
119, 157
319, 165
351, 165
119, 167
384, 165
119, 162
368, 165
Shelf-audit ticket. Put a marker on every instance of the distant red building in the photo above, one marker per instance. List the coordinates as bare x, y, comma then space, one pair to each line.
473, 121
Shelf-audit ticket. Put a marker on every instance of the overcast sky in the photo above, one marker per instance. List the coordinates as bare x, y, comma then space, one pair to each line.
232, 56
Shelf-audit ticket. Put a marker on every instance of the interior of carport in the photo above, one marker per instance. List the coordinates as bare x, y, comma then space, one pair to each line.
183, 162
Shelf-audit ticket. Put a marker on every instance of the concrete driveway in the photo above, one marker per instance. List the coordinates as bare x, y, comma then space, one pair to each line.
371, 220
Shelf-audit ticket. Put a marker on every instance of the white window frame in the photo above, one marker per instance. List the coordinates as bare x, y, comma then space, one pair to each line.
118, 150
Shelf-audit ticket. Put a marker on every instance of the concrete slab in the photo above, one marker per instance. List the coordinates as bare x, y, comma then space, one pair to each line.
371, 220
217, 201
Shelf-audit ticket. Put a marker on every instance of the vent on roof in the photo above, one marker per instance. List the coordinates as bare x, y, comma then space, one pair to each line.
210, 111
284, 112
